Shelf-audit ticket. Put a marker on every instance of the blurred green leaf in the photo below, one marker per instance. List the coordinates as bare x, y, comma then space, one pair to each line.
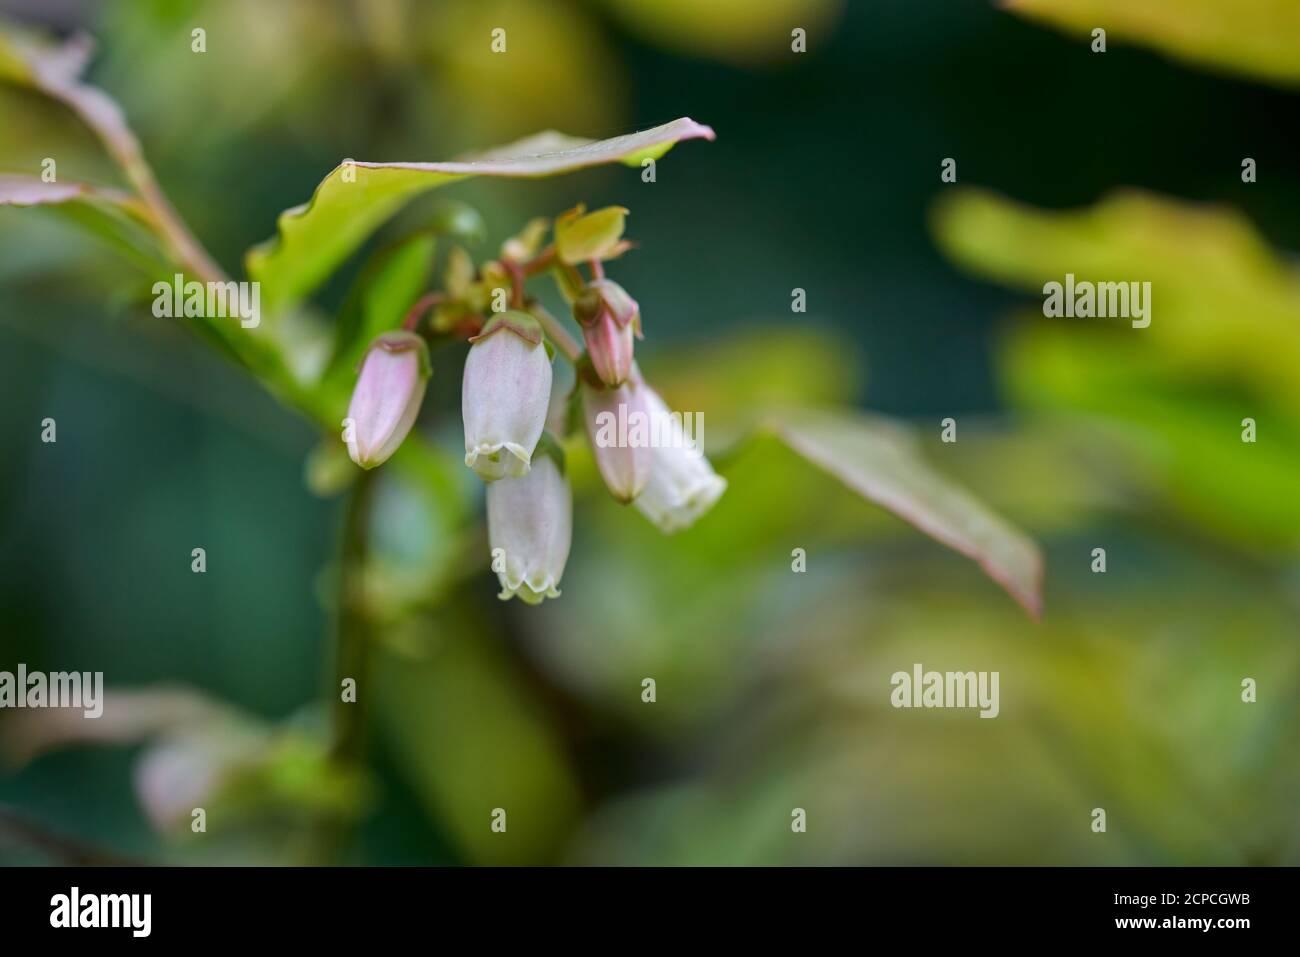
750, 370
419, 528
1251, 37
1224, 305
55, 70
111, 216
1188, 438
1127, 697
315, 237
391, 282
880, 461
734, 31
469, 738
1223, 345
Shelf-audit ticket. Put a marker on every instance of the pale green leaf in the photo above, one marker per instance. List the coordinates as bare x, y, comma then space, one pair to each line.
114, 218
55, 71
881, 461
315, 237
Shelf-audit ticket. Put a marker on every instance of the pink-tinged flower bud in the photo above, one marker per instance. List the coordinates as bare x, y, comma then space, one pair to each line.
387, 397
504, 395
530, 526
609, 318
682, 484
618, 429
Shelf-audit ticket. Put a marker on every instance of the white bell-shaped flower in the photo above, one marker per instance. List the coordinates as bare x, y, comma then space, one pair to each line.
682, 485
530, 527
504, 395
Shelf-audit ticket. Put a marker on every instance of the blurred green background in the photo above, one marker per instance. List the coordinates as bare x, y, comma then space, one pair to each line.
772, 687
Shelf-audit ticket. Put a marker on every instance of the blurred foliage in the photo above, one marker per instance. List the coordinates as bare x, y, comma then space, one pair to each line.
436, 60
772, 686
1251, 37
1085, 723
1223, 345
737, 31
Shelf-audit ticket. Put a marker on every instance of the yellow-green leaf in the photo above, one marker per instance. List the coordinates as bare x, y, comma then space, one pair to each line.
582, 236
1259, 38
1220, 298
1222, 346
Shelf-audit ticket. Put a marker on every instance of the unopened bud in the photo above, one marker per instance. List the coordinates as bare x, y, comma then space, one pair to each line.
609, 318
387, 397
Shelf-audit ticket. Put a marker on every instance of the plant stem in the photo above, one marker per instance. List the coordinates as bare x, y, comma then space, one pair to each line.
125, 149
568, 345
541, 261
519, 272
517, 278
422, 306
352, 652
19, 829
328, 836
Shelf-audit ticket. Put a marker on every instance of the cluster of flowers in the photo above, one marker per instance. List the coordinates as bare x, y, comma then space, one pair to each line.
506, 398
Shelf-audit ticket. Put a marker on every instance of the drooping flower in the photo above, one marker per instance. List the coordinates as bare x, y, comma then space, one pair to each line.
682, 484
609, 318
618, 429
530, 526
387, 397
504, 395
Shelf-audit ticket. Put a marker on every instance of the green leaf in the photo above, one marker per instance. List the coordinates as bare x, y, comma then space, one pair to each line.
315, 237
1252, 37
1223, 345
468, 735
30, 191
112, 217
55, 70
880, 461
580, 236
1185, 436
387, 288
1204, 263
